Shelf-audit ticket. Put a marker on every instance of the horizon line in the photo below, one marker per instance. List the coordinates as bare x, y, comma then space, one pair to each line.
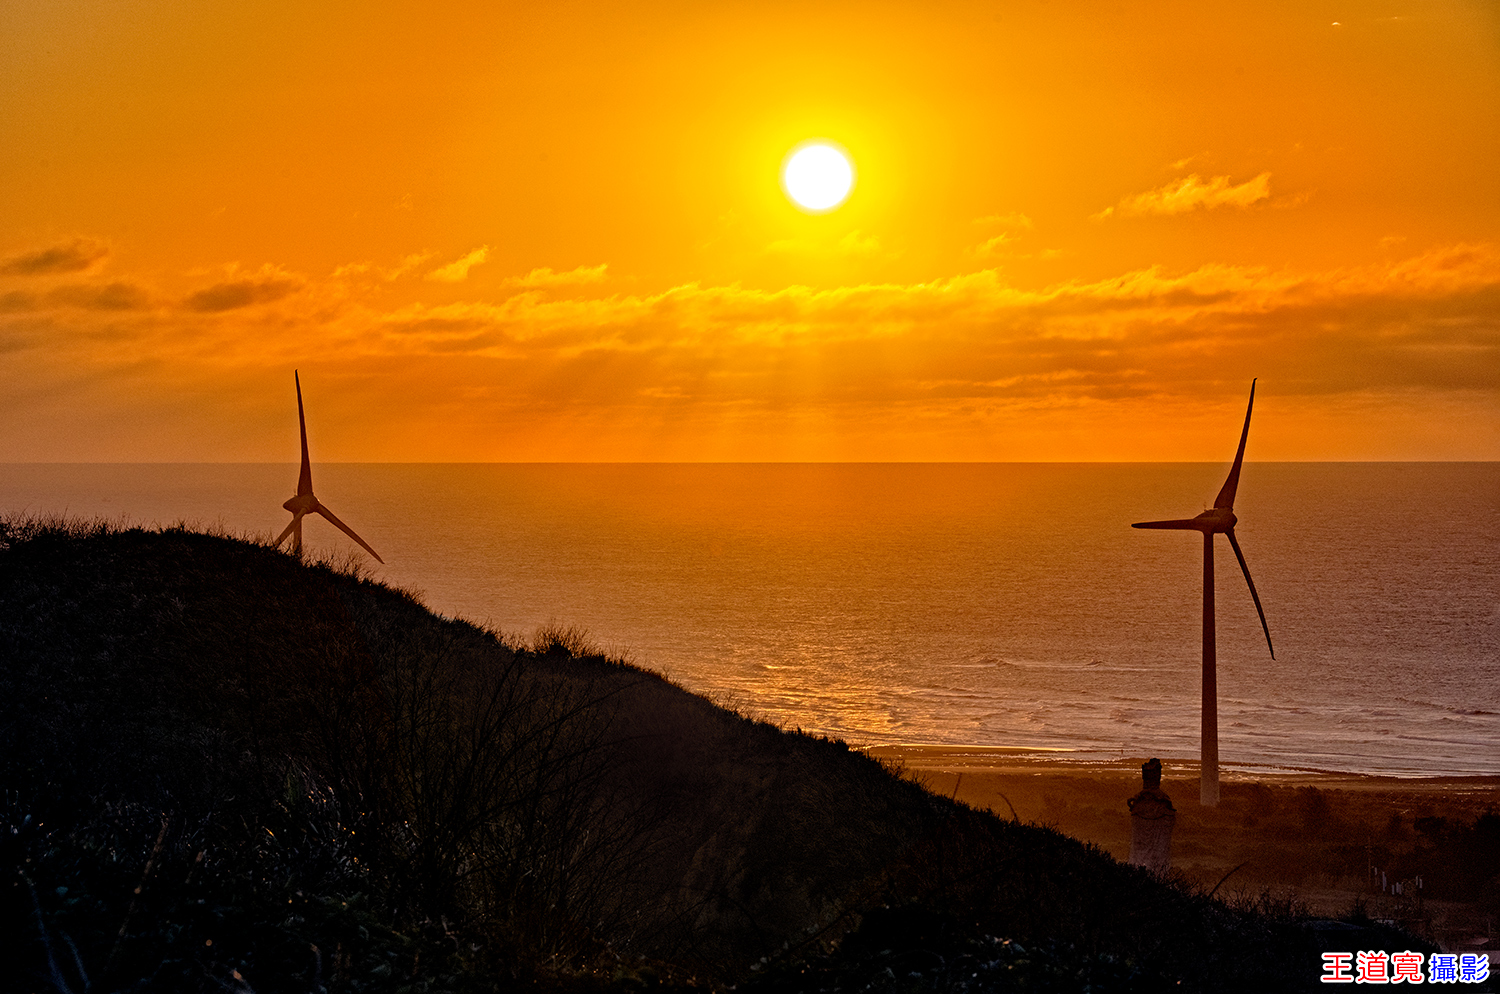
744, 462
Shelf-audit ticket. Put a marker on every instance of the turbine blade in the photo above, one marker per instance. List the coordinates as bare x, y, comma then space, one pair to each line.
1184, 523
304, 482
1226, 494
282, 537
348, 531
1246, 570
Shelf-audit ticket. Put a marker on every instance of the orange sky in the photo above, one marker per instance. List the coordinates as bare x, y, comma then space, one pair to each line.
555, 232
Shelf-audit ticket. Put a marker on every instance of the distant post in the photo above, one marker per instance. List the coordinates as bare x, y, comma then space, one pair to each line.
1151, 820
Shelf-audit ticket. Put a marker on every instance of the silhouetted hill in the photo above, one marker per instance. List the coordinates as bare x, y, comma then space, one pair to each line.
225, 768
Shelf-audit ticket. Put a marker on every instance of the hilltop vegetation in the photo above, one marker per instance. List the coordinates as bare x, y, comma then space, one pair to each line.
228, 769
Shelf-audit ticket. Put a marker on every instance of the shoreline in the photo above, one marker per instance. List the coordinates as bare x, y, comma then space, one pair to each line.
1028, 760
1328, 843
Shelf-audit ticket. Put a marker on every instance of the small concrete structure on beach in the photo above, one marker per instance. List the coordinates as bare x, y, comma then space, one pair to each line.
1151, 820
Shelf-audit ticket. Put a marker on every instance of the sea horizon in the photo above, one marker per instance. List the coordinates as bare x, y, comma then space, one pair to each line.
996, 605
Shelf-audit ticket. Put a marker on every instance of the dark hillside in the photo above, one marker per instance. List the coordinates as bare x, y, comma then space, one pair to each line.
224, 766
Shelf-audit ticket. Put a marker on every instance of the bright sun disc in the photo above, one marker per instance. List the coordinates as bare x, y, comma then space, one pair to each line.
817, 177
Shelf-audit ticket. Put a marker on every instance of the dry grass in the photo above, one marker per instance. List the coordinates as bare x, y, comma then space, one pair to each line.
360, 795
1287, 843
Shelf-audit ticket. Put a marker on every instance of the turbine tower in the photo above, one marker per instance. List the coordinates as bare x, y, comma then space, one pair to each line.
304, 503
1219, 518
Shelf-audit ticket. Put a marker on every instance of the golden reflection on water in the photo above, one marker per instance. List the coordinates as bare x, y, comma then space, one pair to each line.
991, 605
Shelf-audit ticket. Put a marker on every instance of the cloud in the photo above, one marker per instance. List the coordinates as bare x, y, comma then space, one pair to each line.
993, 246
117, 296
408, 264
544, 277
1432, 322
1014, 221
857, 243
853, 243
1189, 194
269, 285
458, 270
1011, 227
16, 300
940, 359
367, 272
67, 257
1428, 321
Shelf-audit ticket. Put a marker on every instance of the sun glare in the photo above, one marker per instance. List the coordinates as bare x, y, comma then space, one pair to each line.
817, 176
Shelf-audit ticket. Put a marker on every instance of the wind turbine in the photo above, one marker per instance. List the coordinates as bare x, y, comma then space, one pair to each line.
304, 503
1219, 518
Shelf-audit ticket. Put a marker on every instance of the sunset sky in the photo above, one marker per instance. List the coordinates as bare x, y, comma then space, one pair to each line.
506, 231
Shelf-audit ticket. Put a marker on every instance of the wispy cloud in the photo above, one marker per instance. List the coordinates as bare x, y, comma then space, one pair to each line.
1014, 221
993, 246
116, 296
545, 277
268, 285
1009, 228
68, 257
458, 270
1189, 194
16, 300
857, 243
942, 356
1431, 321
368, 270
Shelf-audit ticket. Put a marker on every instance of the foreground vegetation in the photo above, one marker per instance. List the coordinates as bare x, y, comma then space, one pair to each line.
226, 769
1297, 843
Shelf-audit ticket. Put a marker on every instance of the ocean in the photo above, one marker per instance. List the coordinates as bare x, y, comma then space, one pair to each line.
999, 605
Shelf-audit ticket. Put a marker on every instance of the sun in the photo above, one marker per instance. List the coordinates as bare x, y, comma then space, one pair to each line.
818, 176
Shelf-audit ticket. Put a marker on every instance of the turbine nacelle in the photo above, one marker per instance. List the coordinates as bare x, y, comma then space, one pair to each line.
301, 504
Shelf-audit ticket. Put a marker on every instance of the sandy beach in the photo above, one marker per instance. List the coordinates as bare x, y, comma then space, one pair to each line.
1286, 837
